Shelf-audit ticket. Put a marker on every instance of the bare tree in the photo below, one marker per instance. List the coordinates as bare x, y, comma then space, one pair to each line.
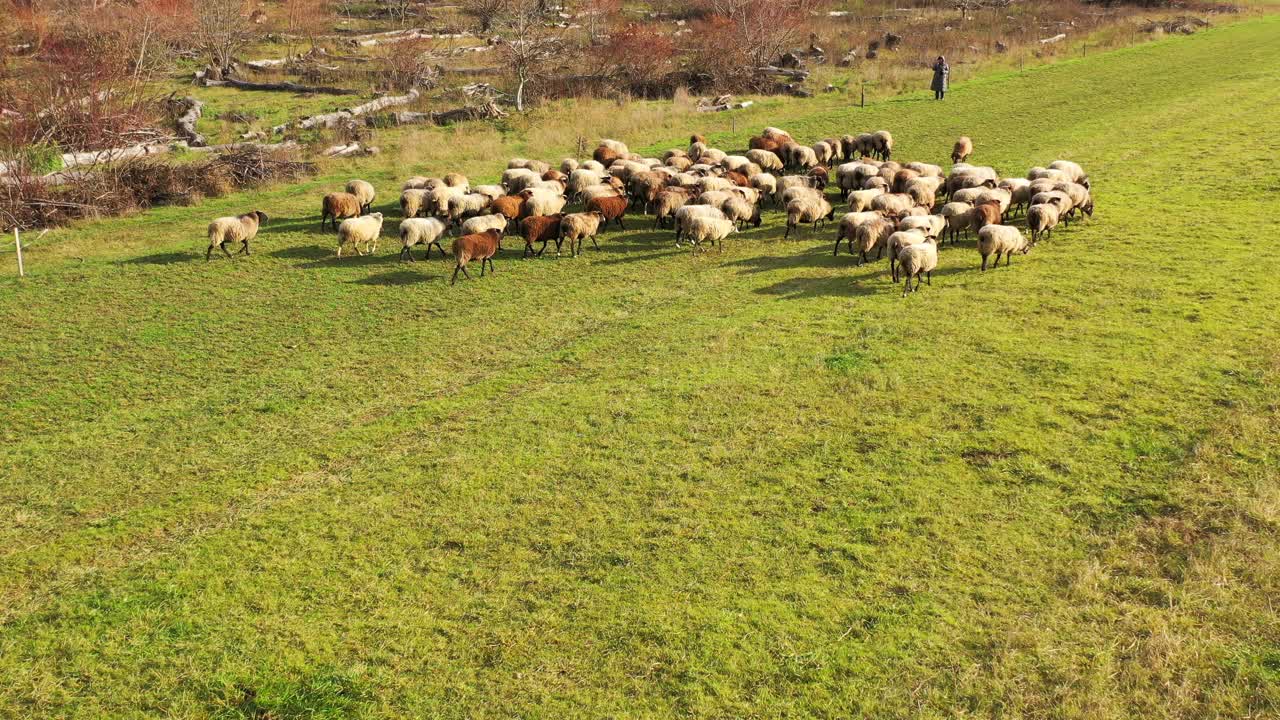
221, 31
485, 12
766, 28
527, 44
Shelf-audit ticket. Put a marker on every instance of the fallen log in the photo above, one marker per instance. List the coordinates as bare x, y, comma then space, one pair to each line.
783, 72
485, 111
284, 86
189, 110
1056, 38
332, 119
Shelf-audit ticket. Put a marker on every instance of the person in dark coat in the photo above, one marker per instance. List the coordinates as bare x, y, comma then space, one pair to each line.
941, 72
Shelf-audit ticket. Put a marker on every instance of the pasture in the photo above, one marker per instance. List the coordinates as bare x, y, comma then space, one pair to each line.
652, 483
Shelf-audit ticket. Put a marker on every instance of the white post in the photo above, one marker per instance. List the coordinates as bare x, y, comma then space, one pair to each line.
17, 241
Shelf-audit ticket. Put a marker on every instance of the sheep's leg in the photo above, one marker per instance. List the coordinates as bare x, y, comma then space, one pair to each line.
223, 246
593, 242
405, 251
208, 253
437, 244
836, 251
1008, 258
245, 247
454, 279
928, 278
624, 227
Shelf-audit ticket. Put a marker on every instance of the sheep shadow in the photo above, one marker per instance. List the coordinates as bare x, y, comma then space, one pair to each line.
394, 278
329, 260
303, 252
168, 258
810, 287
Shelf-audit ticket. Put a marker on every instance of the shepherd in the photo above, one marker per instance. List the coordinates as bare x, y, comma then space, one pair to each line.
941, 72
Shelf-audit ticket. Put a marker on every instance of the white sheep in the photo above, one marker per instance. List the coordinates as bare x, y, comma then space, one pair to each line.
420, 231
710, 230
1073, 171
688, 212
916, 260
860, 200
848, 225
741, 211
1041, 220
493, 192
412, 201
464, 206
568, 165
481, 223
959, 216
541, 202
766, 184
364, 229
1001, 240
593, 166
767, 160
241, 229
807, 210
931, 224
364, 193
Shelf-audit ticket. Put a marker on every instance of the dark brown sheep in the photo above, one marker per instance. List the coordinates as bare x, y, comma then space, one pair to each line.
763, 143
695, 138
605, 155
987, 213
819, 177
540, 228
554, 175
508, 206
737, 178
482, 246
339, 206
612, 208
902, 178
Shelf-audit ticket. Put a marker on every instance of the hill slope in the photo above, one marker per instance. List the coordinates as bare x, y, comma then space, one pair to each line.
640, 483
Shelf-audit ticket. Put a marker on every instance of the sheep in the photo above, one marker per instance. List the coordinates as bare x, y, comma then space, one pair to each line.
421, 231
412, 201
965, 180
601, 190
819, 177
458, 180
493, 192
464, 206
916, 260
686, 214
541, 228
1040, 186
931, 224
786, 182
892, 203
739, 210
824, 152
848, 226
927, 170
1073, 171
707, 184
765, 184
612, 208
1079, 194
1019, 192
1039, 173
801, 156
437, 199
366, 229
1058, 198
508, 206
568, 165
736, 163
959, 217
901, 178
644, 189
666, 204
482, 246
777, 134
417, 182
711, 230
363, 192
241, 229
541, 202
593, 166
338, 206
860, 200
480, 223
577, 226
883, 144
996, 195
1041, 220
581, 179
696, 138
679, 163
970, 194
1001, 240
798, 192
606, 156
962, 149
712, 156
898, 240
618, 147
768, 161
513, 178
851, 175
984, 215
736, 179
807, 210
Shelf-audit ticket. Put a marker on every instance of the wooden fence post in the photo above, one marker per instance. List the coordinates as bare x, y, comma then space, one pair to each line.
17, 241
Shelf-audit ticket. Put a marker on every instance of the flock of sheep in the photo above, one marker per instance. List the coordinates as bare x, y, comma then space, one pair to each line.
707, 194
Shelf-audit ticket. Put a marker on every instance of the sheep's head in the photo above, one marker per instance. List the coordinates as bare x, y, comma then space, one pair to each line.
377, 216
262, 217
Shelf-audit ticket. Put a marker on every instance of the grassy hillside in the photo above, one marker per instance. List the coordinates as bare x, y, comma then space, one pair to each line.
643, 483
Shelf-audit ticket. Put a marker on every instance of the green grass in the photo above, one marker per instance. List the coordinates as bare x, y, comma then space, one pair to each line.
645, 483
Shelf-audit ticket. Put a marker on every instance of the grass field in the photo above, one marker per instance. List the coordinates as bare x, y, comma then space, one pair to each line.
644, 483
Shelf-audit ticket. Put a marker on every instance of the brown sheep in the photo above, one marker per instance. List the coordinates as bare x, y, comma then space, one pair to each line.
962, 150
606, 156
737, 178
508, 206
902, 178
482, 246
763, 143
540, 228
612, 208
667, 203
554, 175
987, 213
339, 206
645, 187
819, 177
695, 138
